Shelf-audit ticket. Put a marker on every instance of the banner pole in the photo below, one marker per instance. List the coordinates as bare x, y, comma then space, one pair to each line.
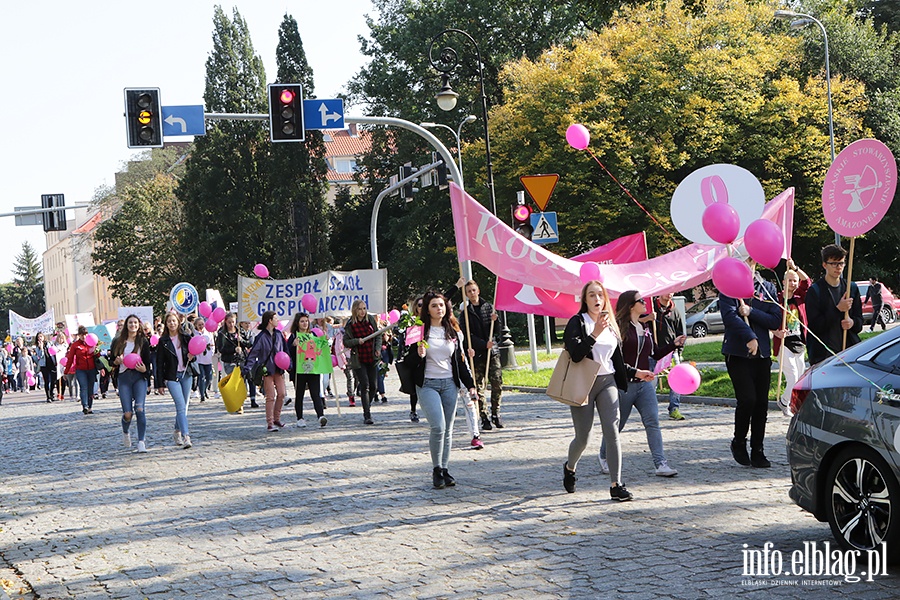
849, 287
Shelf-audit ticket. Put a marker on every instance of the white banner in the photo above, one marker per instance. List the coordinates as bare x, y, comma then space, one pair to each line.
334, 292
144, 313
19, 326
73, 322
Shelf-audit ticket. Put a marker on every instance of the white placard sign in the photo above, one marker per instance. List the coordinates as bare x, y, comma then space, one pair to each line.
144, 313
19, 326
78, 319
334, 292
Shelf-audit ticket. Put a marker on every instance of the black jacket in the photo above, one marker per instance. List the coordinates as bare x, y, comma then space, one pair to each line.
580, 345
167, 360
824, 320
461, 373
480, 327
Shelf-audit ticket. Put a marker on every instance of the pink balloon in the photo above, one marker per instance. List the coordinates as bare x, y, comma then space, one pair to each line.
9, 347
261, 271
309, 303
333, 360
733, 277
131, 360
219, 314
578, 136
764, 242
154, 339
211, 325
590, 271
91, 340
204, 309
51, 351
684, 379
197, 345
29, 374
64, 361
282, 360
31, 381
721, 222
393, 316
317, 331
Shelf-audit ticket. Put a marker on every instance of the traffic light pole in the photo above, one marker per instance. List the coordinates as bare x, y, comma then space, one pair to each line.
41, 211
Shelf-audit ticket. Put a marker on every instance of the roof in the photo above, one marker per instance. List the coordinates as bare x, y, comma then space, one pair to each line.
89, 225
347, 142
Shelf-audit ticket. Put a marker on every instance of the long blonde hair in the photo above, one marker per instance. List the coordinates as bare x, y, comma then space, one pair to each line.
607, 306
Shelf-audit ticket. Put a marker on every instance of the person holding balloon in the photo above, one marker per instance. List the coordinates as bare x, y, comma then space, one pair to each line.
637, 350
130, 355
80, 362
748, 358
174, 355
364, 355
312, 359
58, 349
268, 344
47, 365
593, 333
204, 358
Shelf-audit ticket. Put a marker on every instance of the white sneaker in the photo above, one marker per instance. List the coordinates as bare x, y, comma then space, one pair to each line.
217, 396
142, 447
195, 394
177, 436
664, 470
604, 466
785, 409
126, 440
301, 423
187, 442
322, 421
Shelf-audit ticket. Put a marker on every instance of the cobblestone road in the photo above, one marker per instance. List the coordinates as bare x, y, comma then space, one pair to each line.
348, 511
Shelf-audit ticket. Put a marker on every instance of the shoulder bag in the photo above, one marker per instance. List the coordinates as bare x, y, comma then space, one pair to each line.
572, 381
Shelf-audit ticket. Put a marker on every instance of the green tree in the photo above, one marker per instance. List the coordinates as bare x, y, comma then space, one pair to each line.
225, 190
298, 171
137, 248
664, 92
25, 295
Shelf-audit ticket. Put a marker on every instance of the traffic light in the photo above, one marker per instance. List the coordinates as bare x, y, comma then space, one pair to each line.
408, 190
521, 216
143, 118
53, 221
286, 112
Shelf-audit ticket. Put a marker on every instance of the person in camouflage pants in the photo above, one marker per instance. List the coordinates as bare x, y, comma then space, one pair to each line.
481, 313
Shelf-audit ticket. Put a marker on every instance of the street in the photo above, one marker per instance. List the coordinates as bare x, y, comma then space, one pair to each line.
348, 511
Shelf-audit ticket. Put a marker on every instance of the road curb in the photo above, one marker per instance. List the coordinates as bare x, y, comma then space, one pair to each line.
662, 398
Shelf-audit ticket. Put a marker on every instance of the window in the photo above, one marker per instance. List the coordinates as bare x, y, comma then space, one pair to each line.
345, 165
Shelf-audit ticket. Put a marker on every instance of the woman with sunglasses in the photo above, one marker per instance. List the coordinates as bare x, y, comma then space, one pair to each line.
637, 349
592, 333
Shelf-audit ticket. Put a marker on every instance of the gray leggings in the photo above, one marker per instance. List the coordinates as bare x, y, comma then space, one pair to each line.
605, 396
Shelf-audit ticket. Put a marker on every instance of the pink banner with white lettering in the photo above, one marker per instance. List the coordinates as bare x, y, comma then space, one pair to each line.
483, 238
520, 298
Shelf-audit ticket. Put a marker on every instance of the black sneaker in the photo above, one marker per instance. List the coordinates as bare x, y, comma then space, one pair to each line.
486, 424
497, 422
569, 478
369, 421
739, 452
618, 492
437, 478
448, 479
286, 402
413, 416
758, 459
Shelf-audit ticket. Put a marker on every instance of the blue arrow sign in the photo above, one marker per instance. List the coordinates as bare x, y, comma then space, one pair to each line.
325, 113
183, 120
544, 228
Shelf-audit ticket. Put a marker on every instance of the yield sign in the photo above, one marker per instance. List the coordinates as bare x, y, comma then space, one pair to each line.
540, 187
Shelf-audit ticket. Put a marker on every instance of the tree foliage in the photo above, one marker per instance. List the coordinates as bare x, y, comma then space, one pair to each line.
137, 248
25, 294
664, 92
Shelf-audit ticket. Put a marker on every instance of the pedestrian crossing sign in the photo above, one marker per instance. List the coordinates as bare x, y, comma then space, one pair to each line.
544, 229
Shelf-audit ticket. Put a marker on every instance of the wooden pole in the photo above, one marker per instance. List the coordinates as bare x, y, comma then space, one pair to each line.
466, 313
784, 310
849, 287
487, 366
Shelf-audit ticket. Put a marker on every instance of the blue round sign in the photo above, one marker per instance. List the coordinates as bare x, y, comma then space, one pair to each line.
184, 298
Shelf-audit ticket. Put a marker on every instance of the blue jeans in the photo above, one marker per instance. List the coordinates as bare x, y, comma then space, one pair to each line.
86, 381
437, 397
181, 392
203, 379
133, 395
674, 399
642, 395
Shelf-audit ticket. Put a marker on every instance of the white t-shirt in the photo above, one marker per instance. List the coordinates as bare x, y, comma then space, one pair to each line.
603, 348
205, 357
439, 354
129, 348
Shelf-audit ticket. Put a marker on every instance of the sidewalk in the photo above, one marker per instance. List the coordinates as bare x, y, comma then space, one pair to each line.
348, 511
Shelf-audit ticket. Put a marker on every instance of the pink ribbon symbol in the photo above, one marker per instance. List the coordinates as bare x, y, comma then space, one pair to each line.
712, 190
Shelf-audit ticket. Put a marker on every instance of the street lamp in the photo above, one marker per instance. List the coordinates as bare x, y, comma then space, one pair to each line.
457, 133
447, 61
799, 21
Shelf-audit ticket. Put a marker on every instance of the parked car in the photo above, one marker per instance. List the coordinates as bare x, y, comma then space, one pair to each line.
889, 308
842, 444
704, 318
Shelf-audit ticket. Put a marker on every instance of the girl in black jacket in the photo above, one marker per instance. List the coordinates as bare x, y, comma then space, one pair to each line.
133, 377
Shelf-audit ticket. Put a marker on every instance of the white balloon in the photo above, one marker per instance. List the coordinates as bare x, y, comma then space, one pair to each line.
715, 183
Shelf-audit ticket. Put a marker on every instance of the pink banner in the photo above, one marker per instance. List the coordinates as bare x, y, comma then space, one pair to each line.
520, 298
483, 238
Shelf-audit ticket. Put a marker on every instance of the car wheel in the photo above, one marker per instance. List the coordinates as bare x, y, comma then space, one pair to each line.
886, 315
863, 501
699, 330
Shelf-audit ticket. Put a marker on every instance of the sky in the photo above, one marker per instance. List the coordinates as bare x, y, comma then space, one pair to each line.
64, 66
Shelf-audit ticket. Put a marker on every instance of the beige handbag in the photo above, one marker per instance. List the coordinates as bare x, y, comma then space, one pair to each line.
572, 381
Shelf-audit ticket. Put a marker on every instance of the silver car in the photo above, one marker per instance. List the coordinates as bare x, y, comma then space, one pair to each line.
843, 444
704, 318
